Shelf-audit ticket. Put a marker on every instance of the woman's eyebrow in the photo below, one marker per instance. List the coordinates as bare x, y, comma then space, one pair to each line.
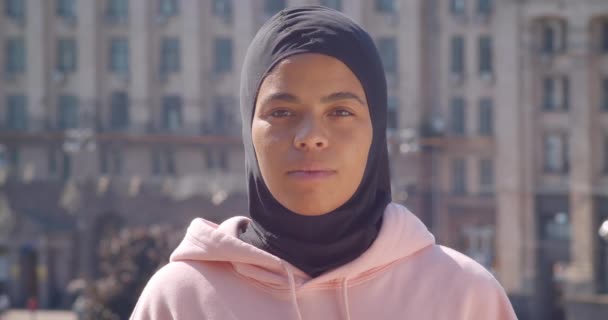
342, 96
280, 96
290, 98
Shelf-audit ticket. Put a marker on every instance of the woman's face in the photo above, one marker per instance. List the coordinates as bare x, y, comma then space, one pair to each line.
312, 133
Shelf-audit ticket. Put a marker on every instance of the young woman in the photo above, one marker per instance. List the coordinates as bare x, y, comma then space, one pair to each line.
324, 240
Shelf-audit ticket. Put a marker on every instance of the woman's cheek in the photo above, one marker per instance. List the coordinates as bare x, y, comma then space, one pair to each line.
277, 135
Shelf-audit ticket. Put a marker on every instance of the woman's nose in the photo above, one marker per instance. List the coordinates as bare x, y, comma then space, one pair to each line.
310, 135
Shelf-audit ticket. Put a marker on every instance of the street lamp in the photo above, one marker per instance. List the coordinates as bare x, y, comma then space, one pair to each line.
76, 141
603, 231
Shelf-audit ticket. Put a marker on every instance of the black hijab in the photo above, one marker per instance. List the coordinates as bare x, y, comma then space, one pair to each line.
316, 244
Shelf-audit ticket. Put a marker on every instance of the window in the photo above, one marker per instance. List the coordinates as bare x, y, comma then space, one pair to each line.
604, 37
334, 4
168, 8
223, 9
385, 6
156, 163
485, 55
486, 176
66, 55
117, 11
16, 118
457, 7
387, 47
170, 163
117, 161
555, 153
605, 160
15, 9
66, 171
223, 55
393, 112
565, 98
210, 160
477, 242
548, 40
57, 157
119, 56
66, 9
484, 7
3, 158
217, 159
553, 37
221, 116
224, 160
602, 264
110, 161
68, 112
555, 226
5, 263
458, 116
13, 160
119, 110
223, 122
273, 6
486, 117
459, 177
104, 166
556, 93
604, 90
549, 100
457, 55
52, 161
172, 113
170, 56
163, 163
15, 55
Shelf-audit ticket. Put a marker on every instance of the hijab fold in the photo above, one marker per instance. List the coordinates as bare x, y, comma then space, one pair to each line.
316, 244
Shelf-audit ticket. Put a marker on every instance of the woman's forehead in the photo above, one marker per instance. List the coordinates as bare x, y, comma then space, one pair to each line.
312, 61
311, 74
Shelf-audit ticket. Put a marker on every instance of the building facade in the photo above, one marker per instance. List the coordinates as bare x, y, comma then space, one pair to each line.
125, 113
127, 110
519, 91
557, 124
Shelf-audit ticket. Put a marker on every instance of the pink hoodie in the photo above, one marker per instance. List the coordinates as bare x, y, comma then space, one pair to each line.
404, 275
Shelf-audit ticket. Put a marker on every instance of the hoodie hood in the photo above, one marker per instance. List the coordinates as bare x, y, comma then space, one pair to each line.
401, 235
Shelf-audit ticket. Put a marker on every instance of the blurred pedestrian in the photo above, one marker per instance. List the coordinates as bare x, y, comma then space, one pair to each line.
5, 301
32, 307
127, 260
324, 240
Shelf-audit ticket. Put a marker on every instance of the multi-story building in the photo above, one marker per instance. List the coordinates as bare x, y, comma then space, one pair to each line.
125, 112
519, 91
552, 184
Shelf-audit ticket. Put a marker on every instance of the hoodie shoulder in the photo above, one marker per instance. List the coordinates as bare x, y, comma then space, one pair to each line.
153, 303
177, 288
463, 263
483, 296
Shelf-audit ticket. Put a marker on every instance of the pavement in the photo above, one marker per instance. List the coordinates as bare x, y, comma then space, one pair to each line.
39, 315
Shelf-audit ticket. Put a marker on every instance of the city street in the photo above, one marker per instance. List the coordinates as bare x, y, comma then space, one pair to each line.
41, 315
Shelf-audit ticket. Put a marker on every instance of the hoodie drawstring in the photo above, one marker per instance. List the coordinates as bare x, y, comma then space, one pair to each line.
294, 298
292, 289
345, 297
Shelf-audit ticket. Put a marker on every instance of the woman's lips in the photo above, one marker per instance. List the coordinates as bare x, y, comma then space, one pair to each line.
311, 174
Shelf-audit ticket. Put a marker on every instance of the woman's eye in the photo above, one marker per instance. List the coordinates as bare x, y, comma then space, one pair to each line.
281, 113
341, 113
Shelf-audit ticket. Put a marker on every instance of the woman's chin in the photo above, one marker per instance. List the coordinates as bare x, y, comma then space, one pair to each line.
310, 206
